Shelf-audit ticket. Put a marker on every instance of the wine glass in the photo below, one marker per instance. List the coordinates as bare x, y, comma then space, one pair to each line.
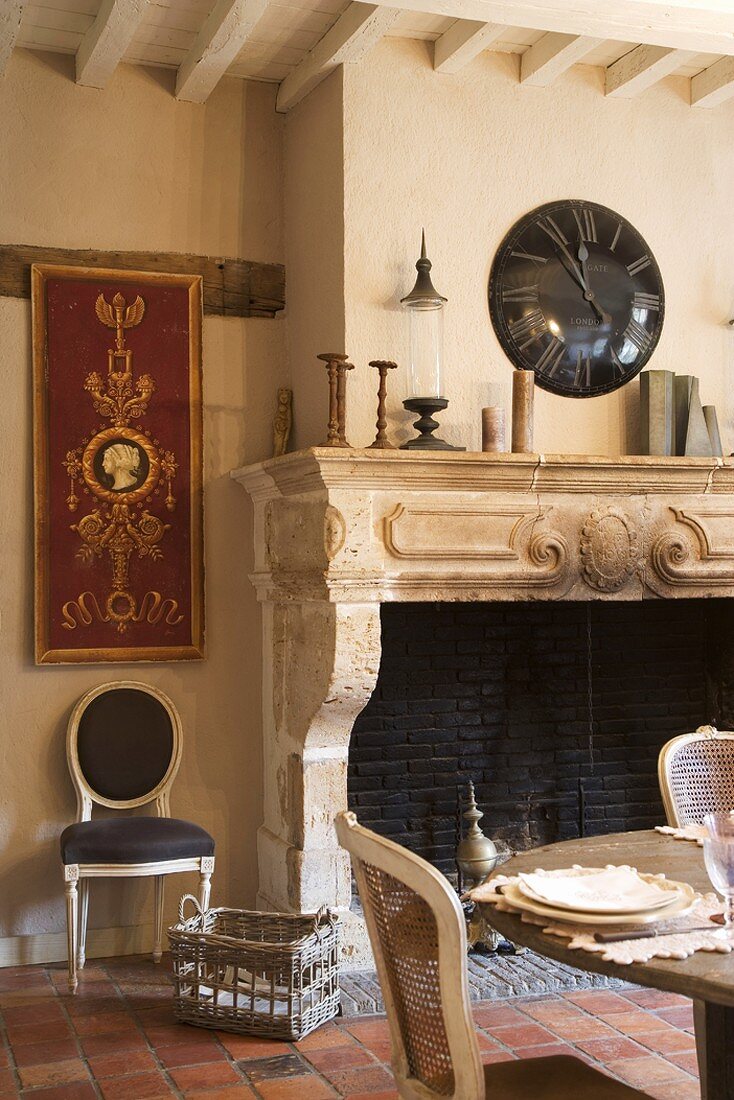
718, 853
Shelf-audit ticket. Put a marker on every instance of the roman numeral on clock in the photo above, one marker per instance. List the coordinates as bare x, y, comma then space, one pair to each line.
520, 255
585, 222
549, 226
639, 265
550, 360
526, 330
645, 301
617, 367
582, 378
520, 293
613, 245
639, 336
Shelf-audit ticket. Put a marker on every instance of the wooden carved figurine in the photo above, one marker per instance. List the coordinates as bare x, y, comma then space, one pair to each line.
336, 366
382, 443
282, 422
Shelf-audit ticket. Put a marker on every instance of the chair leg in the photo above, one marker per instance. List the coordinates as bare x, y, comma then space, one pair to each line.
81, 954
699, 1021
205, 882
158, 930
71, 874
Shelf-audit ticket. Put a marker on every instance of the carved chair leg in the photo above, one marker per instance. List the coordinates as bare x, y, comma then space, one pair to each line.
205, 883
81, 954
72, 918
158, 929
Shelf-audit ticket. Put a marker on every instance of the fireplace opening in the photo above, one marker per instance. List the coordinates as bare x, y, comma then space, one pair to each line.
556, 711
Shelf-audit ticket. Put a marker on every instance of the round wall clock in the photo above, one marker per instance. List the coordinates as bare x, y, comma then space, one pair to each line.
575, 295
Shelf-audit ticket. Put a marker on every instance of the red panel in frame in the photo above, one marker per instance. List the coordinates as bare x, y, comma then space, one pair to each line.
118, 465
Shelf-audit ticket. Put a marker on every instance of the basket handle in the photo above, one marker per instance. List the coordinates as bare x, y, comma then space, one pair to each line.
182, 902
324, 911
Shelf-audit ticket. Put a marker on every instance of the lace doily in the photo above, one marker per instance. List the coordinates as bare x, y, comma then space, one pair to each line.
696, 833
675, 939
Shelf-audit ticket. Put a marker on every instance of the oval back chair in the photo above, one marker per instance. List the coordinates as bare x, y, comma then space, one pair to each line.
696, 775
123, 748
418, 935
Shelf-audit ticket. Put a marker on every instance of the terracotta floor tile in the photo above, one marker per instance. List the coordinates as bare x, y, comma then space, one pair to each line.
681, 1016
365, 1030
576, 1028
138, 1086
117, 1065
35, 1054
38, 1011
328, 1036
490, 1057
21, 1034
545, 1012
609, 1050
544, 1051
338, 1058
199, 1078
649, 1070
94, 1006
113, 1043
670, 1041
7, 1081
80, 1090
232, 1092
390, 1094
686, 1060
263, 1069
53, 1073
655, 998
4, 1060
365, 1079
525, 1035
104, 1024
294, 1088
599, 1002
636, 1023
169, 1035
681, 1090
491, 1016
190, 1054
248, 1046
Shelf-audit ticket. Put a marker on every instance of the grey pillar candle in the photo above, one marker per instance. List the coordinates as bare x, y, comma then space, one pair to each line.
523, 388
493, 429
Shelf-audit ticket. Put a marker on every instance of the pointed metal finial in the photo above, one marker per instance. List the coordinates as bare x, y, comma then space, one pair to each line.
476, 854
424, 290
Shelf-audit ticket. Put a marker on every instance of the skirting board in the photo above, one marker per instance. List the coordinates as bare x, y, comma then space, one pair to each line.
50, 947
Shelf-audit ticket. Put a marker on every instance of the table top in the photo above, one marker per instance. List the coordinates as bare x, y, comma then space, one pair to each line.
706, 975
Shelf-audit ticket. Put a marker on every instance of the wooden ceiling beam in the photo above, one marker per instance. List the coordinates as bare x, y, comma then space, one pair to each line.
107, 40
462, 42
220, 40
704, 26
11, 14
552, 56
641, 68
713, 85
357, 30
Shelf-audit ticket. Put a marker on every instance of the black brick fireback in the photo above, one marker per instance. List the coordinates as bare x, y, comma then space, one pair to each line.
499, 693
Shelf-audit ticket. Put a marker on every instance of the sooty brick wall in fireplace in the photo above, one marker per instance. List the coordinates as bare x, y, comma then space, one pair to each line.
557, 711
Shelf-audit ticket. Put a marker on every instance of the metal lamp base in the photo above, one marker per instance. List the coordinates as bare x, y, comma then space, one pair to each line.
426, 425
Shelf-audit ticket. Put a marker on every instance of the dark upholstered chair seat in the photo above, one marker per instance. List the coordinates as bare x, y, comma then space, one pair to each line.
134, 840
556, 1077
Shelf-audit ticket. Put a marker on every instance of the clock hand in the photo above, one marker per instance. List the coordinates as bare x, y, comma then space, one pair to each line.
583, 254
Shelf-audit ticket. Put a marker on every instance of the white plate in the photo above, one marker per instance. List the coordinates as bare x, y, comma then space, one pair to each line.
596, 890
686, 898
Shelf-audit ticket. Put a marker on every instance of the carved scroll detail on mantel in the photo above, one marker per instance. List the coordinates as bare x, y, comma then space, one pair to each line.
707, 558
610, 549
445, 532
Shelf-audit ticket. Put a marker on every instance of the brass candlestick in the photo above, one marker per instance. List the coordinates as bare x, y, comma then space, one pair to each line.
335, 431
382, 443
476, 854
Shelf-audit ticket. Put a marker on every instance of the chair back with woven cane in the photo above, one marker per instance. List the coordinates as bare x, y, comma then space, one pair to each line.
418, 936
696, 775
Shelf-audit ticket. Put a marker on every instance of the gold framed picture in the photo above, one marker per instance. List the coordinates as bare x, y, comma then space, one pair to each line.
118, 465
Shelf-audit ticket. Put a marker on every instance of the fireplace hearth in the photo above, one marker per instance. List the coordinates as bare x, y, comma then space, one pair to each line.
344, 539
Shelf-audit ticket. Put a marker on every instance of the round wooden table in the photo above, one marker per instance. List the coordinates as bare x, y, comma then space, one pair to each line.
705, 976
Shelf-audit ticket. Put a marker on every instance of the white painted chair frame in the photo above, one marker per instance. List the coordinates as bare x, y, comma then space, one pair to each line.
77, 875
666, 758
430, 885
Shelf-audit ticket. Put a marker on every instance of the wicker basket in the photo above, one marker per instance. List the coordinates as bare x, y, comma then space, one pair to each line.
269, 974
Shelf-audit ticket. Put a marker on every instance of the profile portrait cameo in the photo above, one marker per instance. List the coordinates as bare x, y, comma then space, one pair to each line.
121, 466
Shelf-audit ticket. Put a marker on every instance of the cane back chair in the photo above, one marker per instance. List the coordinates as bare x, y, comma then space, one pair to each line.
418, 935
123, 748
696, 775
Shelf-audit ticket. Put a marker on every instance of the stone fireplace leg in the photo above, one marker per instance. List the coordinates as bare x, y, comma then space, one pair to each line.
320, 664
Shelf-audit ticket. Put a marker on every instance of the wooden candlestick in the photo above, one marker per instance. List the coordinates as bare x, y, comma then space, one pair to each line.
334, 435
493, 429
341, 398
523, 385
382, 443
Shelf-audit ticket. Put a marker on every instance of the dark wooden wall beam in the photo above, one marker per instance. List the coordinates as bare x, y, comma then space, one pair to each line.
232, 288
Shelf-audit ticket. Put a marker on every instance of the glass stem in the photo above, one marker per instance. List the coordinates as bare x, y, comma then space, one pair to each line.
729, 913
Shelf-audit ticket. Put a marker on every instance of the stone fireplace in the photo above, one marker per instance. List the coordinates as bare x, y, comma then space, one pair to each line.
340, 533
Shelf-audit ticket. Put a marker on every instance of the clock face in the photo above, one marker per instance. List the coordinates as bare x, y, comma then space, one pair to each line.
575, 295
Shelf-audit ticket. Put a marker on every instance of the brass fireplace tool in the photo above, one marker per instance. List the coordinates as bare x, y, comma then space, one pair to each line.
337, 366
382, 443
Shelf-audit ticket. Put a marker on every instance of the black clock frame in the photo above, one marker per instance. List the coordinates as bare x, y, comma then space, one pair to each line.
515, 305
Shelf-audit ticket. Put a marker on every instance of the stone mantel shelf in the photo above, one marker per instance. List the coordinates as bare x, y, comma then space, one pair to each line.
339, 532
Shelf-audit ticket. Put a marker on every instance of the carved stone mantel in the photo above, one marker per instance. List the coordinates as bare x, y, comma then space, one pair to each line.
338, 532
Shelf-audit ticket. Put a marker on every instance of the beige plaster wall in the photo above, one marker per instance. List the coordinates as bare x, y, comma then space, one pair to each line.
467, 155
130, 168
